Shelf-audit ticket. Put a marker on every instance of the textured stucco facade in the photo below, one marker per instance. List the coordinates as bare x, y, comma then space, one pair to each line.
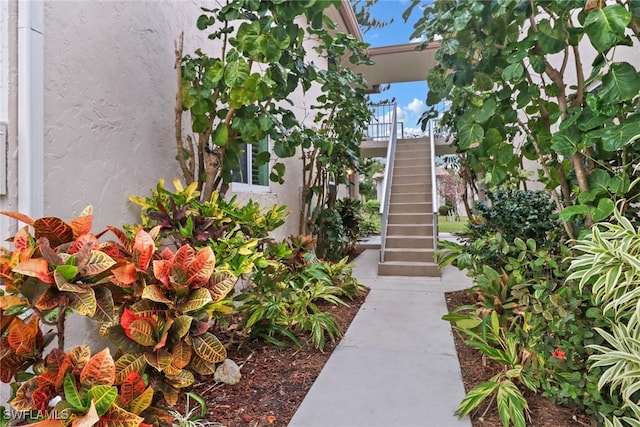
107, 99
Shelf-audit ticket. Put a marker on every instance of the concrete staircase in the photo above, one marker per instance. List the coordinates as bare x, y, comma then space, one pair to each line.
409, 240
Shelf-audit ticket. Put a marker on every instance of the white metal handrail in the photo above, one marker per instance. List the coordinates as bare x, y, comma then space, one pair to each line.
434, 191
388, 177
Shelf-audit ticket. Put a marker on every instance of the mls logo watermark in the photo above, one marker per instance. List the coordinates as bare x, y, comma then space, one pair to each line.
52, 414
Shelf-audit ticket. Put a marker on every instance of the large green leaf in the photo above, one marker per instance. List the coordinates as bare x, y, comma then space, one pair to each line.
103, 397
209, 348
606, 26
470, 135
71, 394
621, 83
616, 137
237, 70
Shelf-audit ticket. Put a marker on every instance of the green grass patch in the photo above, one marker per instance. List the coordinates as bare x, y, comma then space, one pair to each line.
447, 226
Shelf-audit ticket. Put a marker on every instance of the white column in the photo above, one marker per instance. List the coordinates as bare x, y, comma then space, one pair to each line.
31, 107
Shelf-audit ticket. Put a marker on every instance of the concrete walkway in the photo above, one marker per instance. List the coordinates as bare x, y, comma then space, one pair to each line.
396, 366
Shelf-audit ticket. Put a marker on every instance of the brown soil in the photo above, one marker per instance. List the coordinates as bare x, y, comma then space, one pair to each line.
274, 380
542, 413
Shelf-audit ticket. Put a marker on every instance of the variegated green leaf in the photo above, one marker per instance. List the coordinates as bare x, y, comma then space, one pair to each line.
155, 293
209, 348
197, 300
143, 332
84, 303
128, 363
99, 262
103, 397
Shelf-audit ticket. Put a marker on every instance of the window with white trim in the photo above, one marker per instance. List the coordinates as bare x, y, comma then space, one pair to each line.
250, 172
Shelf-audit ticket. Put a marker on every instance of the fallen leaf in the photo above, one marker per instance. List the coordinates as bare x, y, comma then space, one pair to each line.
271, 419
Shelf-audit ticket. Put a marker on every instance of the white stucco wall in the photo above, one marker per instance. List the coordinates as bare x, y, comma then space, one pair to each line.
109, 108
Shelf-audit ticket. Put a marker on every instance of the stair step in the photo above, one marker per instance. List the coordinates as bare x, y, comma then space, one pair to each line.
413, 161
413, 269
409, 242
410, 197
411, 170
412, 179
413, 154
410, 255
410, 230
410, 218
420, 207
401, 188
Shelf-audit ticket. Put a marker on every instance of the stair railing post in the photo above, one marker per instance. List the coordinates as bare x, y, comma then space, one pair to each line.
388, 177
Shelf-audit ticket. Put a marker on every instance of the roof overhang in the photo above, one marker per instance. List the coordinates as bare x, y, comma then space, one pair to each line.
398, 63
392, 64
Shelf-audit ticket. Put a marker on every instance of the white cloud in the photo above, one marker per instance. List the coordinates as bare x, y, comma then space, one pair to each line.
416, 106
420, 39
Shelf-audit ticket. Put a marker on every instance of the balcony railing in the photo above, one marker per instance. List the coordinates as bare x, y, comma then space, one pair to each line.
382, 122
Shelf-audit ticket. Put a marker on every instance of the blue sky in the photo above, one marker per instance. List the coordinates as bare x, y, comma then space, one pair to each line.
410, 97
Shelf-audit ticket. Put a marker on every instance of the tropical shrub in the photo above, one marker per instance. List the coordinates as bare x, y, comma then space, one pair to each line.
607, 267
154, 304
523, 283
86, 387
283, 301
232, 230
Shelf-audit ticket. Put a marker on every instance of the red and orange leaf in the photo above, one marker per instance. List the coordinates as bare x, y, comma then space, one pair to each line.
23, 401
82, 224
82, 247
35, 267
20, 217
202, 267
54, 359
132, 386
162, 271
22, 336
42, 396
125, 275
166, 254
127, 318
54, 229
183, 257
79, 356
48, 253
118, 417
48, 379
122, 237
22, 240
8, 301
99, 370
143, 249
49, 299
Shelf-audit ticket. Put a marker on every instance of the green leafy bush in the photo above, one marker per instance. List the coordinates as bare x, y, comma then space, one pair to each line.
283, 301
445, 210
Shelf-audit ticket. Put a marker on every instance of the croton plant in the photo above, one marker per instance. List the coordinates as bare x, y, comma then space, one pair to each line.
155, 305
